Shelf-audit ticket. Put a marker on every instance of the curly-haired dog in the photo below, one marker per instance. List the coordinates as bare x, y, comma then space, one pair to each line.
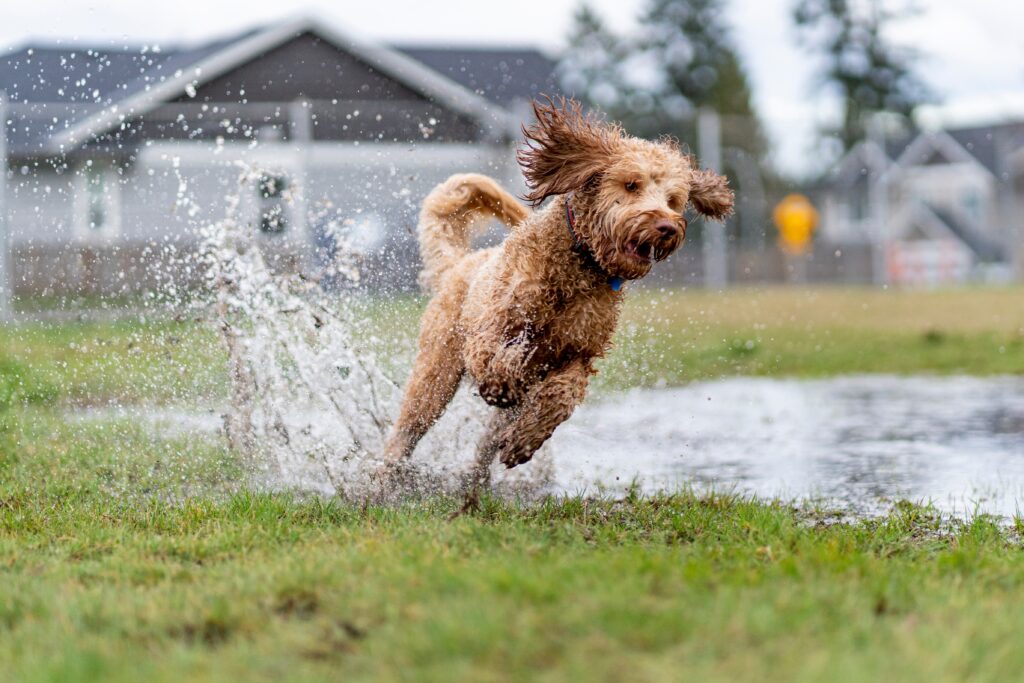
527, 319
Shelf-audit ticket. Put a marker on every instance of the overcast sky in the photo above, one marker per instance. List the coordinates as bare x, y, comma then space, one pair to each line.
973, 52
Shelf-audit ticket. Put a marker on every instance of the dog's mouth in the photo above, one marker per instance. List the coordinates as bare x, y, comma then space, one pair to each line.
641, 252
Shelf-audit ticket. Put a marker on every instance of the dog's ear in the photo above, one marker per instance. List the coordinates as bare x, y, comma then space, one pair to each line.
564, 148
710, 194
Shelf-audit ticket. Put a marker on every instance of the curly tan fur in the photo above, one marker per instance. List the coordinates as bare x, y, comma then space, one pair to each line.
526, 320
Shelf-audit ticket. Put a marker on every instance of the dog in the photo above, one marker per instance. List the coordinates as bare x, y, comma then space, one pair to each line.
526, 320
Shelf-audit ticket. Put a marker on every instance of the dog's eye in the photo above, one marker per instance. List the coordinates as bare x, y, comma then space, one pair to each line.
631, 186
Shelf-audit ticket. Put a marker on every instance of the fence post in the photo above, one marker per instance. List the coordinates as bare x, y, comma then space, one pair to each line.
300, 118
878, 195
716, 260
6, 276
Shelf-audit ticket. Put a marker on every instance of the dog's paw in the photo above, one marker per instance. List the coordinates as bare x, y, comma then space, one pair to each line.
512, 455
389, 481
498, 394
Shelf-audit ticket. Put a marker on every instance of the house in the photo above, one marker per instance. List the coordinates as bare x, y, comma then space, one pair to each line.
118, 156
936, 207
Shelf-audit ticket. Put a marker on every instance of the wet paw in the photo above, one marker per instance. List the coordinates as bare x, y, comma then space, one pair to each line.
390, 479
498, 394
513, 455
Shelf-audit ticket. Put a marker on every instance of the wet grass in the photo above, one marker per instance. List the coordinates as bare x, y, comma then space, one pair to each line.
110, 573
96, 363
666, 338
126, 555
677, 336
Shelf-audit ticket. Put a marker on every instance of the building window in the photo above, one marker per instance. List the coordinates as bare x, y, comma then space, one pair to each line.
271, 189
96, 194
97, 204
971, 204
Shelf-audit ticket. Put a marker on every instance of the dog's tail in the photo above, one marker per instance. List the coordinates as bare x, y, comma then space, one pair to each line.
451, 214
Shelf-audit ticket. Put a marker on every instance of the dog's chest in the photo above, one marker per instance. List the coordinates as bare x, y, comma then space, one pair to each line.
584, 323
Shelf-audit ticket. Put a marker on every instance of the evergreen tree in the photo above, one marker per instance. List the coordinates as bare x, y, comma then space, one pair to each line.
654, 85
702, 69
590, 69
870, 74
690, 41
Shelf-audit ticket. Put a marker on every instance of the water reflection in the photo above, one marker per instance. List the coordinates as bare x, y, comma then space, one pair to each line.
860, 442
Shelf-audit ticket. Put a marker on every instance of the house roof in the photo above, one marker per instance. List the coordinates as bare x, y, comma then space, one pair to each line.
984, 142
61, 95
859, 165
986, 250
503, 76
95, 75
50, 88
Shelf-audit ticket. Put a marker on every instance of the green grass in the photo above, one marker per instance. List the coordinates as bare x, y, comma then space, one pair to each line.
668, 338
676, 336
108, 574
93, 363
129, 555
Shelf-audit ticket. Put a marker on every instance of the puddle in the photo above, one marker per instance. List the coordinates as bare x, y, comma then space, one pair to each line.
859, 443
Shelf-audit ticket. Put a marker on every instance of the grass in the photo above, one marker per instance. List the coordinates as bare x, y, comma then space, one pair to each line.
125, 557
674, 337
93, 363
129, 555
105, 580
665, 338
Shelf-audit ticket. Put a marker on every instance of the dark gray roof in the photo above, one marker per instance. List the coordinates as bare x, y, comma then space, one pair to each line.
986, 250
501, 75
984, 142
894, 147
53, 87
981, 142
93, 75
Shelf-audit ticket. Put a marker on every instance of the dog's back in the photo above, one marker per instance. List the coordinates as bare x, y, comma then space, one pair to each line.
451, 214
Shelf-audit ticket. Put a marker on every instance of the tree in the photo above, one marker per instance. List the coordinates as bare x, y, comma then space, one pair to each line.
691, 43
870, 73
654, 85
590, 70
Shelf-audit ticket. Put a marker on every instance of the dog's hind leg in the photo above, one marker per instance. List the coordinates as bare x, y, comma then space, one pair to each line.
434, 380
479, 477
523, 429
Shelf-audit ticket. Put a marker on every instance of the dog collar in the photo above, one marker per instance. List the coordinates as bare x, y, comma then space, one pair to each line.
580, 247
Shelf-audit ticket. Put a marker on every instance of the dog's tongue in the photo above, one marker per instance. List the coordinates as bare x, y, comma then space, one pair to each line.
642, 250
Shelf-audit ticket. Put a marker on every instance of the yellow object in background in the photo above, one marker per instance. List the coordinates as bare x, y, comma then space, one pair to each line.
796, 218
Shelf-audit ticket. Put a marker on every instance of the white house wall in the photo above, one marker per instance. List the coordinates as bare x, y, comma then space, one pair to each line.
950, 186
343, 180
40, 207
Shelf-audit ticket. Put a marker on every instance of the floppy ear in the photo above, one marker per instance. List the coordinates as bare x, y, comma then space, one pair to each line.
563, 149
710, 194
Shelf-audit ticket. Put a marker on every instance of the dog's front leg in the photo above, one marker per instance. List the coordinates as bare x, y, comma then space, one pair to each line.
503, 382
547, 404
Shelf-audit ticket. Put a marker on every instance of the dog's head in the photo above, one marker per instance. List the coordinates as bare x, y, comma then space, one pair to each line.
629, 195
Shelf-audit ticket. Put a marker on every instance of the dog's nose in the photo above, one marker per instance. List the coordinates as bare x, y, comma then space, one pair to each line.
666, 228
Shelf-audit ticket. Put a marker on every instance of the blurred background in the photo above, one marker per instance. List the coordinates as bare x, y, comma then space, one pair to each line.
869, 142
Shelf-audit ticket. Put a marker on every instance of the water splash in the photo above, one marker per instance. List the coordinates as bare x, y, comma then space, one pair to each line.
311, 401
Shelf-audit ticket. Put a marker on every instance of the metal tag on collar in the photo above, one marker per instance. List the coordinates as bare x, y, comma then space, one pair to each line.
615, 283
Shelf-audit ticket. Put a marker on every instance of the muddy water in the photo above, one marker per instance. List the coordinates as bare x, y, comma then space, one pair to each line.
859, 442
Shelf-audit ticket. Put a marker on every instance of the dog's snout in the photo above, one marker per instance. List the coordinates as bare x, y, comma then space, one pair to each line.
666, 228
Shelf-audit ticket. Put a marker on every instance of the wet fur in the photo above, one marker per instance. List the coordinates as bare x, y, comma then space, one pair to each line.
527, 319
